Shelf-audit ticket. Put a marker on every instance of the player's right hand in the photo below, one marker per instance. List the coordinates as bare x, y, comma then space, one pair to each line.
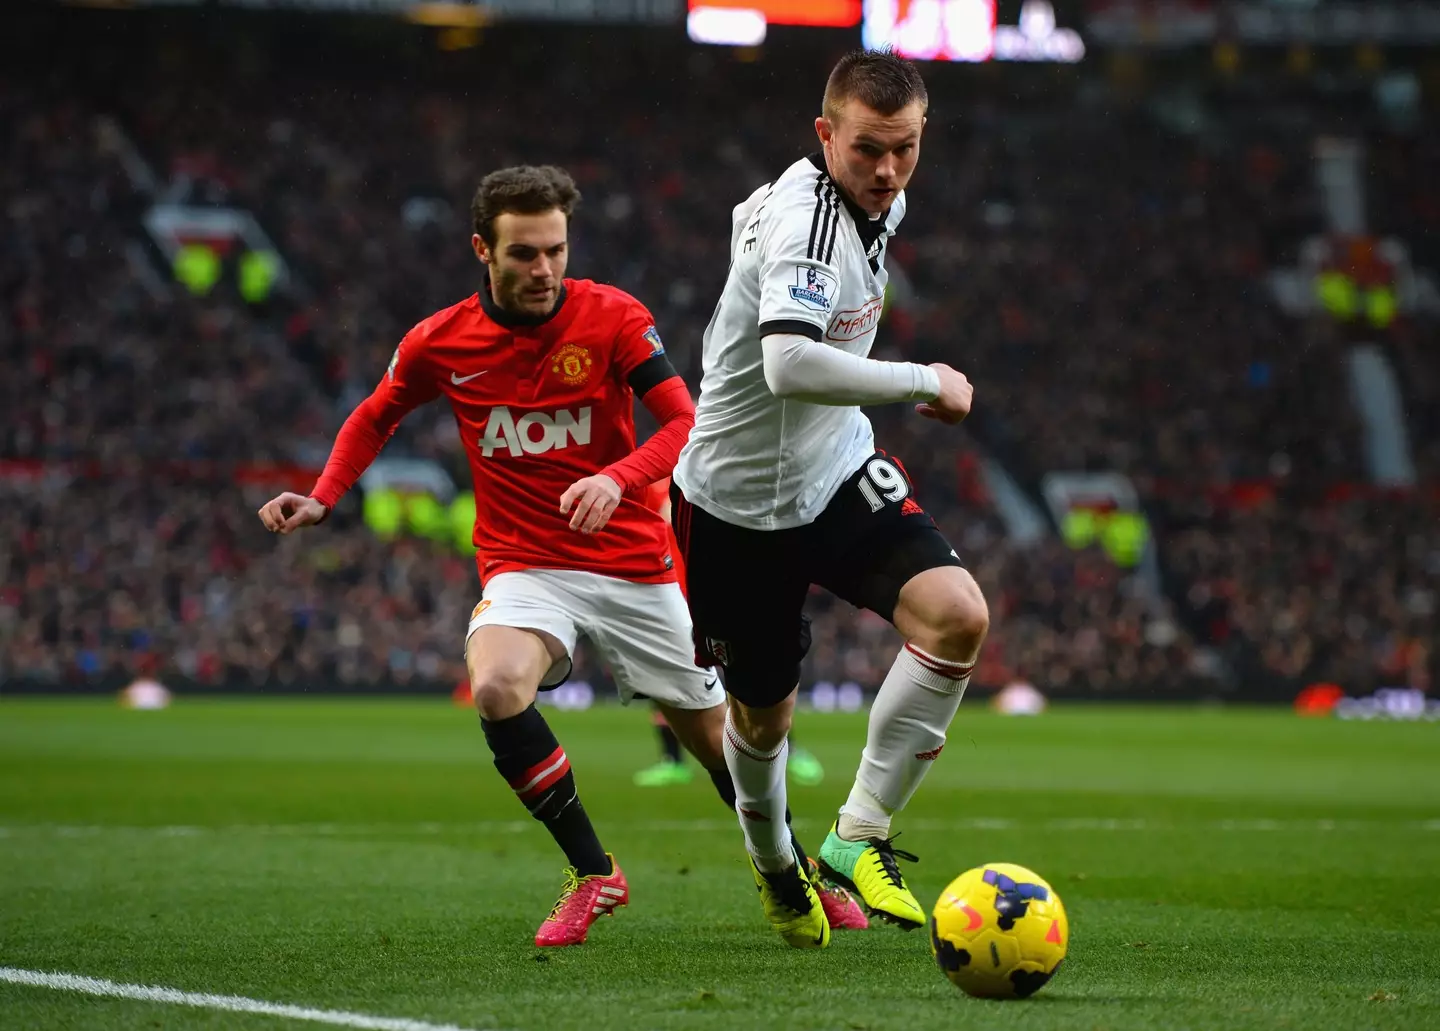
289, 511
953, 402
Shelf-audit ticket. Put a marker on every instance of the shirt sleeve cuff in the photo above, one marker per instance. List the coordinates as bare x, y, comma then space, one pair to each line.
928, 387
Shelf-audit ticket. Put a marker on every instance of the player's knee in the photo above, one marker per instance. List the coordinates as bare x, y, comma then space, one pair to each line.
962, 621
948, 615
763, 728
501, 689
506, 666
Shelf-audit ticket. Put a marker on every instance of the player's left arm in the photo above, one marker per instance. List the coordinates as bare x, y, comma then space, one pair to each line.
641, 360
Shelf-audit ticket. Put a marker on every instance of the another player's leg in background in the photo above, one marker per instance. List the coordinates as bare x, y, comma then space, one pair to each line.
944, 619
506, 666
671, 769
804, 766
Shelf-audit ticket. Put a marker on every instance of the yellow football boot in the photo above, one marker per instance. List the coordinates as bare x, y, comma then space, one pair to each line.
793, 907
869, 870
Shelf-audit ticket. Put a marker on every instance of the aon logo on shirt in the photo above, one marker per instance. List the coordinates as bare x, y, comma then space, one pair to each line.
535, 432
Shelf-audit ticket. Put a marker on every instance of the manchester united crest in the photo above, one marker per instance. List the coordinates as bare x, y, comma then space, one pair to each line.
572, 364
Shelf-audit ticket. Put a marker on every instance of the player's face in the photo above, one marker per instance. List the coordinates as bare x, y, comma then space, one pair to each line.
870, 155
527, 263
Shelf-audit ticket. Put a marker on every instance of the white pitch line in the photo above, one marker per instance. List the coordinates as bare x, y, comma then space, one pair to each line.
230, 1003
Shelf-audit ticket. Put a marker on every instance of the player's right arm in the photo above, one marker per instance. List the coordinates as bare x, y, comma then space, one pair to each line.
407, 384
797, 287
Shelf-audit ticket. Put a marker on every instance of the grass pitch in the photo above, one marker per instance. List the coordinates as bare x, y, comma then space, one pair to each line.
1225, 870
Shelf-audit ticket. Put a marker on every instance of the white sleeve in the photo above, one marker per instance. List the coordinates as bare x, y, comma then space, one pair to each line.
807, 370
798, 282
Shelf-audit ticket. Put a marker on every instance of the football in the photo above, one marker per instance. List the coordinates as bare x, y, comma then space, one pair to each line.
999, 932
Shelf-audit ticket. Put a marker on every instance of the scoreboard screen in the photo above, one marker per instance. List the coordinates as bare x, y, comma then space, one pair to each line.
925, 30
948, 30
968, 30
743, 22
833, 14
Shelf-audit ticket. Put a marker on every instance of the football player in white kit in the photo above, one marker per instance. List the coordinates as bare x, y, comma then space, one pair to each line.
781, 487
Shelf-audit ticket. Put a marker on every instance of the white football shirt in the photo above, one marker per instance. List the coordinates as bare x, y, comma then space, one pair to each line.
804, 259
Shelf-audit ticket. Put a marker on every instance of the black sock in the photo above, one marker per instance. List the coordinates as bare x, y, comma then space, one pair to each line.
537, 769
800, 856
725, 788
669, 743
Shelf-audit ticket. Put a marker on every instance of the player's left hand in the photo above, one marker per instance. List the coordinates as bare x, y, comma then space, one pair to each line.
594, 500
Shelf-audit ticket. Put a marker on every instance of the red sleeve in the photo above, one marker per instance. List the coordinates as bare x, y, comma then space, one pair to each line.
636, 340
405, 386
672, 407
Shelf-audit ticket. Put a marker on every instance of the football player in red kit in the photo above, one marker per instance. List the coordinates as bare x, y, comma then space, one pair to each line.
541, 373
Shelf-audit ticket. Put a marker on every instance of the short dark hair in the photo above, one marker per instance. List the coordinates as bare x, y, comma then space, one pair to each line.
882, 80
522, 190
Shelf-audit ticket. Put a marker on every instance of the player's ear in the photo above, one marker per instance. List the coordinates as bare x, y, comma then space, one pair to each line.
477, 243
824, 129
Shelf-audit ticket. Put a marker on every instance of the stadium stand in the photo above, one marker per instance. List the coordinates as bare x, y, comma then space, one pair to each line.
1114, 317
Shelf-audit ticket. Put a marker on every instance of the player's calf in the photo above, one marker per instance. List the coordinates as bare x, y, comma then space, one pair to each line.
749, 778
700, 731
842, 912
757, 768
944, 619
704, 732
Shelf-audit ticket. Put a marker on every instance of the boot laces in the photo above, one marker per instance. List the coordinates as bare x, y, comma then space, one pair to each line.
567, 891
888, 854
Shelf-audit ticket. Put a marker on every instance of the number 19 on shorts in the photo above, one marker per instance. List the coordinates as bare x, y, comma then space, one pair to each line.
883, 482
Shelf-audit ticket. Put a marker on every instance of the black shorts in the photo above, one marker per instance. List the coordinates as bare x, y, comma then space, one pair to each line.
747, 588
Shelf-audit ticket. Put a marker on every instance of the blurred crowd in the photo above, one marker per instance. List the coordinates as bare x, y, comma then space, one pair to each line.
106, 360
110, 579
1116, 313
1099, 278
1345, 592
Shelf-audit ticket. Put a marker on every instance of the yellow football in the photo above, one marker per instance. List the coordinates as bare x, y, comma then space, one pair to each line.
999, 931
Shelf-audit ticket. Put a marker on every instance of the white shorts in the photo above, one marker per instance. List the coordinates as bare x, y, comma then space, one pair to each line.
641, 630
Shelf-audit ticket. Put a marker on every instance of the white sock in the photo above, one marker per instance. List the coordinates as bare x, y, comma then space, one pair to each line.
908, 721
760, 799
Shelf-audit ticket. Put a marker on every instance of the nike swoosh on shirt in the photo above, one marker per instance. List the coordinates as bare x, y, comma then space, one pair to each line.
457, 380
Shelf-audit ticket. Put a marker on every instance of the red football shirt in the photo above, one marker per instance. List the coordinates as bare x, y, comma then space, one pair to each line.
538, 407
